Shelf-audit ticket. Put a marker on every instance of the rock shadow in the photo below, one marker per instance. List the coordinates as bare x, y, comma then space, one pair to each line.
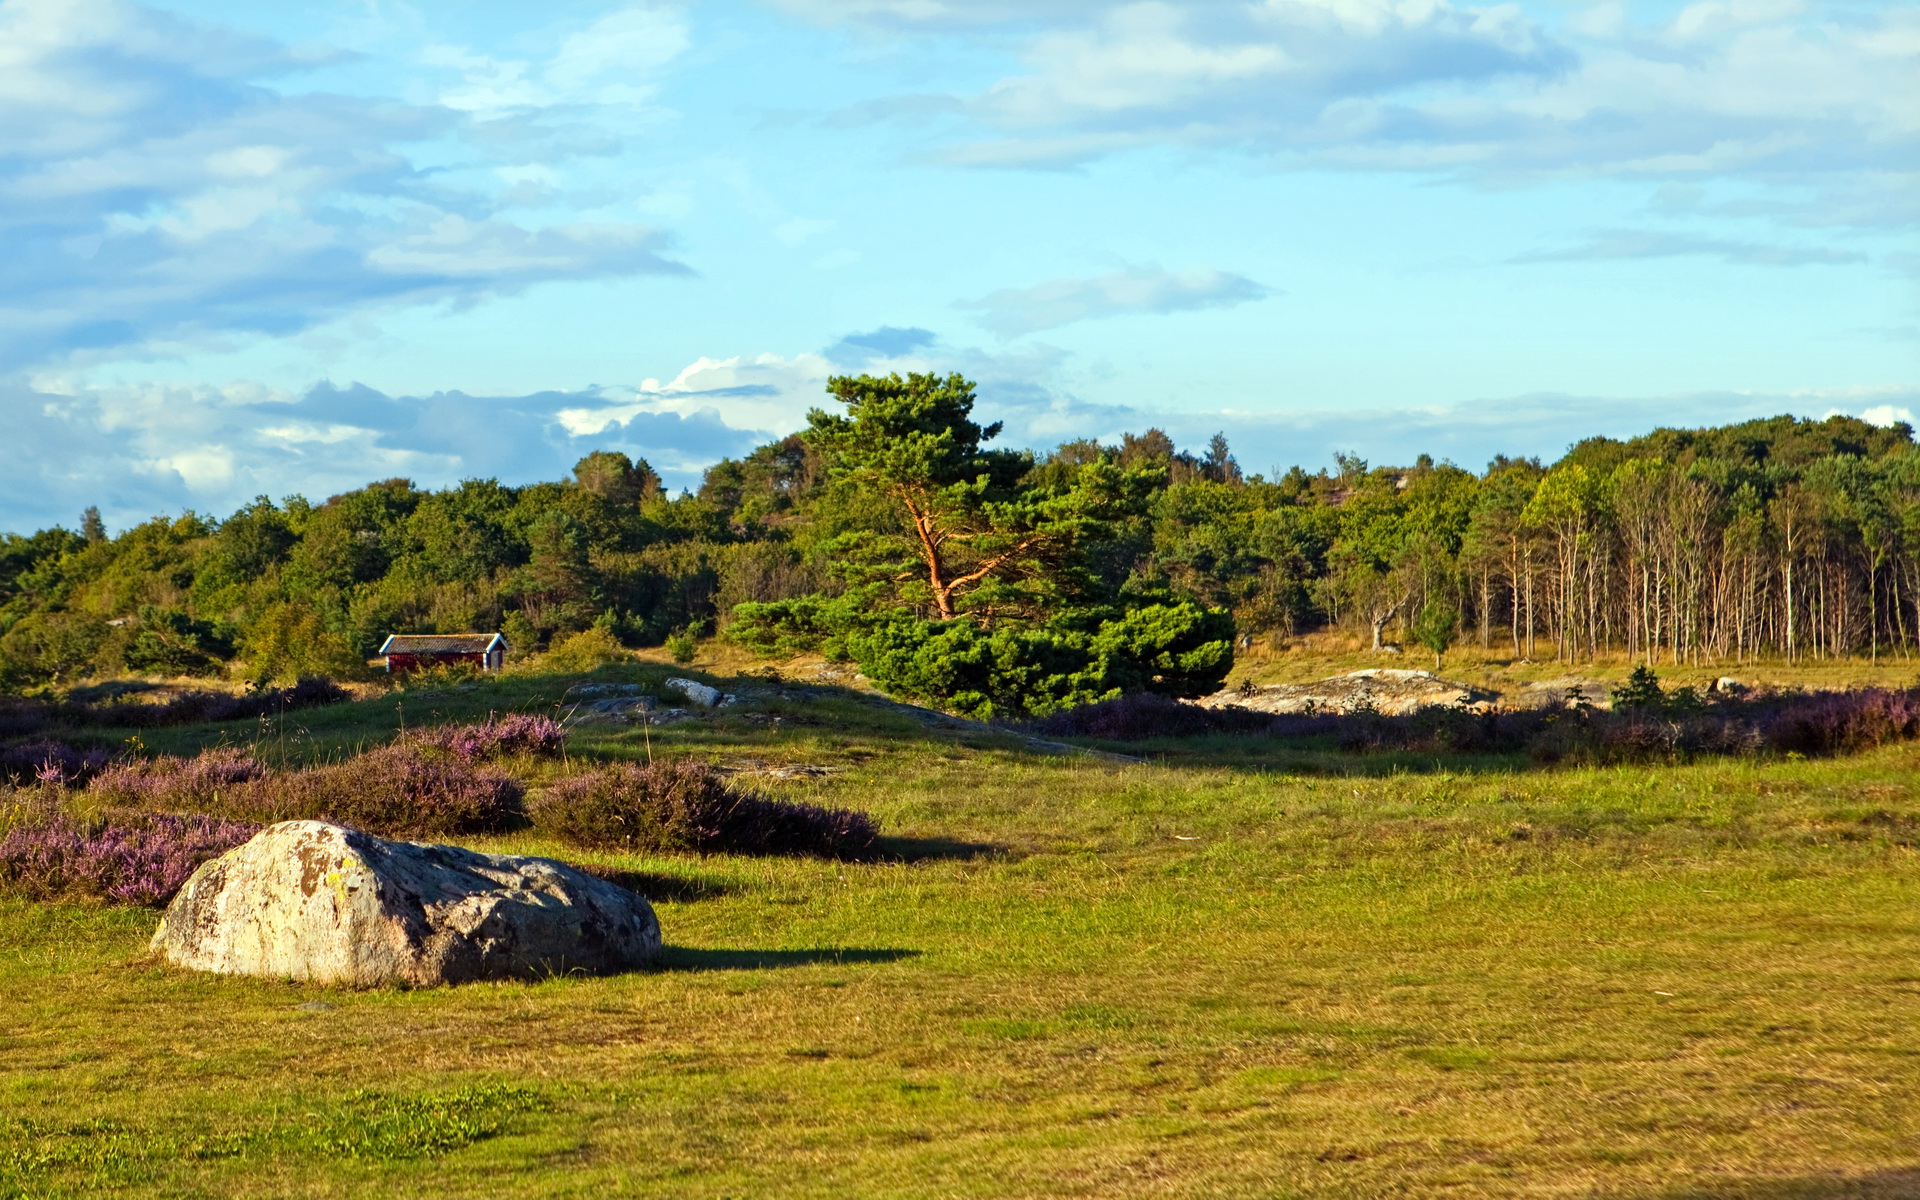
654, 885
686, 958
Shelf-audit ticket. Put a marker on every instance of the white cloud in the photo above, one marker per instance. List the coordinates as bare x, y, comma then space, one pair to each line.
1134, 291
140, 450
1884, 415
1775, 92
615, 60
152, 190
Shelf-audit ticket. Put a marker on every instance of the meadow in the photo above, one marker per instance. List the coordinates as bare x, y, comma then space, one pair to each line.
1213, 967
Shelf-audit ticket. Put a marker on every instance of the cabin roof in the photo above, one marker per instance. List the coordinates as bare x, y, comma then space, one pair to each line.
441, 643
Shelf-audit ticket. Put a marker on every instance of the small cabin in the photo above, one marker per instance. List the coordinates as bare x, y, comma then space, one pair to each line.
415, 651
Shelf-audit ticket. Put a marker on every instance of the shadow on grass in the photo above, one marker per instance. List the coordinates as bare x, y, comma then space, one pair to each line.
685, 958
906, 849
1900, 1182
655, 886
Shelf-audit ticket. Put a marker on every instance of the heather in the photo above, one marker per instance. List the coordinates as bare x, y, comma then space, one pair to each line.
688, 806
403, 789
1671, 725
47, 761
497, 737
133, 860
173, 782
400, 790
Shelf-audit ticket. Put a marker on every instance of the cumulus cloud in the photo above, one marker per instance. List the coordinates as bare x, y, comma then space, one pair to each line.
1012, 312
159, 182
137, 451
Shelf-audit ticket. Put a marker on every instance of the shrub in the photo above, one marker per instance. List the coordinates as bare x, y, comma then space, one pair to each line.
690, 806
586, 650
1640, 691
1174, 649
681, 646
1144, 715
50, 762
400, 790
783, 628
498, 737
142, 860
177, 783
1840, 722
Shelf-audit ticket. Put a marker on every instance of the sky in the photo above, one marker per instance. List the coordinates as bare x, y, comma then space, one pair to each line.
255, 249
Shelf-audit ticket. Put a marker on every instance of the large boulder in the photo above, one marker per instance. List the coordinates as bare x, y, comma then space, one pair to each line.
309, 900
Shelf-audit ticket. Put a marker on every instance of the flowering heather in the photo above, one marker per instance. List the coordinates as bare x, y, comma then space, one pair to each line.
400, 790
498, 737
49, 762
141, 860
690, 806
169, 782
1839, 722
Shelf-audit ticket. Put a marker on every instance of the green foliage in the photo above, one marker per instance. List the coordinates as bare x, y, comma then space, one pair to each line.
290, 640
1772, 536
1177, 649
681, 646
585, 651
1640, 691
783, 628
171, 642
1436, 627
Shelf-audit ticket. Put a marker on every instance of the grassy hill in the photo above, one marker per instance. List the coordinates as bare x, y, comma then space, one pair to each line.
1253, 969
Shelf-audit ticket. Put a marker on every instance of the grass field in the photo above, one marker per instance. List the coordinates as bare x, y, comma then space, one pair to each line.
1227, 970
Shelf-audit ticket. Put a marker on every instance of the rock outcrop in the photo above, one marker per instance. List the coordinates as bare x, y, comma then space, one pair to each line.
697, 692
313, 901
1381, 689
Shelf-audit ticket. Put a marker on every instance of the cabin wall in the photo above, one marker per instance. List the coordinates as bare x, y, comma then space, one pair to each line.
399, 664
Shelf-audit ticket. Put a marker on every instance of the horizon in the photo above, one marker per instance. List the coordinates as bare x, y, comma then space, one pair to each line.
1270, 474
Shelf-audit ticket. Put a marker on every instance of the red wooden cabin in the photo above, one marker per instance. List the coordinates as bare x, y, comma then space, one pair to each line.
413, 651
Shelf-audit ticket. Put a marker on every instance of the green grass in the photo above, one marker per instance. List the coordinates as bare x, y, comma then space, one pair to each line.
1279, 973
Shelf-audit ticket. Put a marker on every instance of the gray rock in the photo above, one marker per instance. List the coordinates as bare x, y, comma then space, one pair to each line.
1382, 689
308, 900
605, 689
696, 692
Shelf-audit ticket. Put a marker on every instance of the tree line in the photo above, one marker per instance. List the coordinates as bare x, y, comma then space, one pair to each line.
893, 531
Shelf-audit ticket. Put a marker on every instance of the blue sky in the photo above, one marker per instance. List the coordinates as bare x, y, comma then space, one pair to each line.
256, 249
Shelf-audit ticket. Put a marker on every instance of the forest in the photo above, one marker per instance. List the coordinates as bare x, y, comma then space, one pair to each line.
1001, 581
